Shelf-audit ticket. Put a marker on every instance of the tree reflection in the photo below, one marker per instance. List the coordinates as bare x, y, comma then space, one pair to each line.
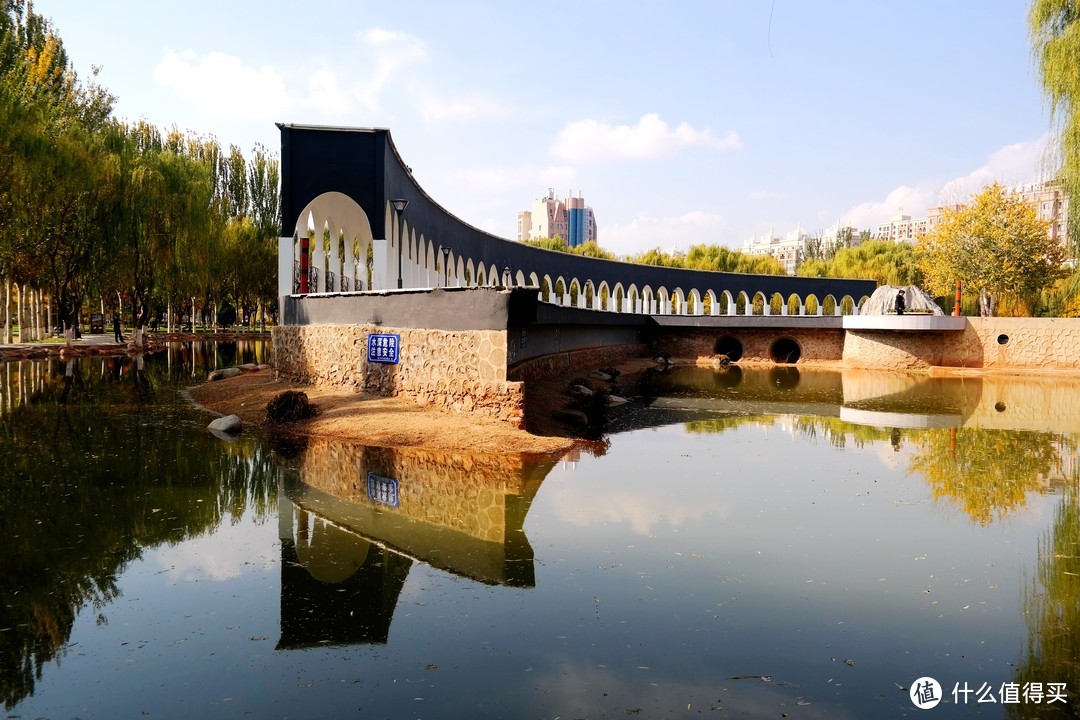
987, 473
1052, 609
92, 473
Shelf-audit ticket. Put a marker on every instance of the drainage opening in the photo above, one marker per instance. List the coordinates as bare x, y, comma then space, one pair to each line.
729, 346
1003, 339
785, 350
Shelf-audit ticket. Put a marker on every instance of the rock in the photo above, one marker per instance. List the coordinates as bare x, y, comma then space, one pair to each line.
262, 366
720, 361
614, 400
581, 391
247, 367
226, 424
600, 375
574, 417
223, 374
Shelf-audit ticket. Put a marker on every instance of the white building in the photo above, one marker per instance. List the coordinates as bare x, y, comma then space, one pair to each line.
791, 249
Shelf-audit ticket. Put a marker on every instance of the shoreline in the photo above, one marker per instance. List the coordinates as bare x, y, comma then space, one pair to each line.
370, 420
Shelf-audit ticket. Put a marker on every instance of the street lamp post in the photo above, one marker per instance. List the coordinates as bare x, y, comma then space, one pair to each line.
445, 265
399, 207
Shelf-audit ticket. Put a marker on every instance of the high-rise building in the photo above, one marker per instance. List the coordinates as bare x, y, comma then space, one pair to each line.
569, 219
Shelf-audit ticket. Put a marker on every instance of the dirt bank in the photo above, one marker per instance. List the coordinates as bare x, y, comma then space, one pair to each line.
380, 421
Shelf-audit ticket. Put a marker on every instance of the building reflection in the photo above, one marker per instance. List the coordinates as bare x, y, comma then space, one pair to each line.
354, 519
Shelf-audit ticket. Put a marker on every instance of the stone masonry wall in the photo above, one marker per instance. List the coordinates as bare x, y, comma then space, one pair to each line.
463, 371
1001, 344
463, 492
815, 345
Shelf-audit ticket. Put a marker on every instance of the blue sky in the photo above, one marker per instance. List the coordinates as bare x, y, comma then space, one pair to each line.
679, 122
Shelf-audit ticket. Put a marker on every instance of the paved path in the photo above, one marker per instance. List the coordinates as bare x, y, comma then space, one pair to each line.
86, 339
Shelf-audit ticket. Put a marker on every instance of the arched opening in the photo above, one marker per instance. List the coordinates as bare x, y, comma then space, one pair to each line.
730, 346
785, 350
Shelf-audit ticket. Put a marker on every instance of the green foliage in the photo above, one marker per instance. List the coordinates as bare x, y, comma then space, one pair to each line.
712, 257
887, 262
556, 244
1054, 26
996, 247
94, 207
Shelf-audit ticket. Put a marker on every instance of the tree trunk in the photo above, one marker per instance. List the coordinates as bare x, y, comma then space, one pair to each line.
19, 318
7, 310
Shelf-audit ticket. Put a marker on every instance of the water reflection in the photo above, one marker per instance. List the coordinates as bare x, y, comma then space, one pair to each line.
94, 471
1051, 602
764, 532
354, 518
981, 443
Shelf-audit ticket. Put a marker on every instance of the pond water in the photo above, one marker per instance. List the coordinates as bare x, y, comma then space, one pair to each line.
769, 543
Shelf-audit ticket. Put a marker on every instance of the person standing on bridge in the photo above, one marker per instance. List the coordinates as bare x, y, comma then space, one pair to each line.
900, 304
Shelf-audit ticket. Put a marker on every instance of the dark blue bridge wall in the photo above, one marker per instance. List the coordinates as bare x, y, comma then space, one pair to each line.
365, 165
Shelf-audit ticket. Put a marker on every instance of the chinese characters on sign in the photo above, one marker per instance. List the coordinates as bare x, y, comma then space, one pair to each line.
383, 347
926, 693
382, 490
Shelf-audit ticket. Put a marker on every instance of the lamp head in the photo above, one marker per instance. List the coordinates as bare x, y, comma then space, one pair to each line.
399, 204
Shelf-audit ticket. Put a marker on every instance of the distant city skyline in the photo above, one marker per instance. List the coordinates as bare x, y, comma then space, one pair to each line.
705, 123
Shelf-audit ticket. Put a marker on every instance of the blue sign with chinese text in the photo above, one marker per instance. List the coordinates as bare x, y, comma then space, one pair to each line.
383, 347
382, 490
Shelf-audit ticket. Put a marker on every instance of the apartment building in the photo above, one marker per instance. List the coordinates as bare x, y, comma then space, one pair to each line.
569, 219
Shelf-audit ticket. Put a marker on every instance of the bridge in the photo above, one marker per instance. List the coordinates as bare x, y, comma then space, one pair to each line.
365, 253
354, 219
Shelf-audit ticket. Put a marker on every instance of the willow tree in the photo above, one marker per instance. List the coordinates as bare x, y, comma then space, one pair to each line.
1054, 26
887, 262
996, 246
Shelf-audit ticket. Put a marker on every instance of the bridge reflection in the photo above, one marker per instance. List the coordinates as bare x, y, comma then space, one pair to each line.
354, 519
858, 397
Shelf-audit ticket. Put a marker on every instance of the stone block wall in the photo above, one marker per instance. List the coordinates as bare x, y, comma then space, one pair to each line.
1050, 344
815, 345
1000, 344
460, 370
461, 492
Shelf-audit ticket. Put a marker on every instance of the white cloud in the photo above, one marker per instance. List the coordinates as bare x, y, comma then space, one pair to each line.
390, 54
642, 511
235, 548
589, 140
222, 85
1014, 164
645, 232
1011, 165
913, 201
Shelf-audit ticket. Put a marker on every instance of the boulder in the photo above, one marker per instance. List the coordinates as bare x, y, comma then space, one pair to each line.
223, 374
226, 424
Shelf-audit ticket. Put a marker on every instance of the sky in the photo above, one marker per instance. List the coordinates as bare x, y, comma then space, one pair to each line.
700, 121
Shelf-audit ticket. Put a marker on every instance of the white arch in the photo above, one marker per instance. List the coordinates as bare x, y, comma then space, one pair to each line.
341, 215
